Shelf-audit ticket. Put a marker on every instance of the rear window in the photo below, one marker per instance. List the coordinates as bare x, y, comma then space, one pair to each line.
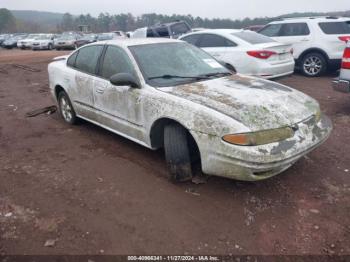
253, 38
179, 29
335, 28
191, 39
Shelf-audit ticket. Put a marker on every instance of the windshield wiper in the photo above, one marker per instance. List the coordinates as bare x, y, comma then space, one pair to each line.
176, 76
216, 74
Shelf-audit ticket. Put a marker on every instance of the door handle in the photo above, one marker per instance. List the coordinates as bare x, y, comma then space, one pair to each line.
100, 90
304, 40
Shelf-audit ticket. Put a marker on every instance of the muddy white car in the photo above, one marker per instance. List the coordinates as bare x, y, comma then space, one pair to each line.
168, 93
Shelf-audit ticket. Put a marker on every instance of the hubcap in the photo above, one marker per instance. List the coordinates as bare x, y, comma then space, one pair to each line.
313, 65
66, 109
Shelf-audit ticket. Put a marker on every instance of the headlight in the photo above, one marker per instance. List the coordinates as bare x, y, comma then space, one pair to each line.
318, 115
260, 137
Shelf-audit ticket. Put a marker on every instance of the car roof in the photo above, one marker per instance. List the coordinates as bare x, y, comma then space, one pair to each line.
311, 19
126, 42
224, 32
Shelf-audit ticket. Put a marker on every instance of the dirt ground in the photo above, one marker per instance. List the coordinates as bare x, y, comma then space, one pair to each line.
89, 191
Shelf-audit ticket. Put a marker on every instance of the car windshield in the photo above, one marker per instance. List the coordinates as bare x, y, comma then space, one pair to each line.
105, 37
32, 36
253, 38
43, 37
88, 37
335, 28
66, 37
169, 64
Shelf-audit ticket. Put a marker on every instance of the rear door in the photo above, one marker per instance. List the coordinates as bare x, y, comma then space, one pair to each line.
85, 66
296, 34
335, 35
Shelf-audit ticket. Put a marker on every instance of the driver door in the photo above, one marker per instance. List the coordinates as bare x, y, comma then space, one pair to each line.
117, 107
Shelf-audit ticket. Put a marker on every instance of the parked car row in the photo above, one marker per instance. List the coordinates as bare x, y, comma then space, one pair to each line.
66, 40
311, 44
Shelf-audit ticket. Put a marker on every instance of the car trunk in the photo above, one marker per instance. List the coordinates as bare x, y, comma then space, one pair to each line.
283, 52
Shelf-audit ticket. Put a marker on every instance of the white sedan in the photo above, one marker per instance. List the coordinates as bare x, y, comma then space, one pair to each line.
245, 52
164, 93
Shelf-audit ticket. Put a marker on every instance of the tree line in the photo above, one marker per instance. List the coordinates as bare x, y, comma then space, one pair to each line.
127, 22
106, 22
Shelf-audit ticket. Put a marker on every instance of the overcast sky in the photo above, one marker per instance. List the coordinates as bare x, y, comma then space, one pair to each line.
204, 8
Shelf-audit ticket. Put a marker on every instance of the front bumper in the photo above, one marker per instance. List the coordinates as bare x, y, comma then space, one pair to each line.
40, 47
277, 70
65, 46
260, 162
341, 85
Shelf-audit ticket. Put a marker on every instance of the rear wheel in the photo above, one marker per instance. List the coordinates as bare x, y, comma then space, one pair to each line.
66, 108
177, 153
313, 64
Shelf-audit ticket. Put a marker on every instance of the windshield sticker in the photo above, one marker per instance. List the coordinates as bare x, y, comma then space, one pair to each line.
212, 63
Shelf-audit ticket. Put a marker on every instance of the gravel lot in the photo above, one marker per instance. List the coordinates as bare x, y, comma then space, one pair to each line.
89, 191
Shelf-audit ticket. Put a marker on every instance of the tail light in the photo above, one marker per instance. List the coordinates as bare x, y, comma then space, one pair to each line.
344, 38
346, 59
262, 54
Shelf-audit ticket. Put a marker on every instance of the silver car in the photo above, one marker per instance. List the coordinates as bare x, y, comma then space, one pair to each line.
164, 93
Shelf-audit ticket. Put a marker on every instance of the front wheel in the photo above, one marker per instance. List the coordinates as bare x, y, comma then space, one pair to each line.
66, 108
177, 153
313, 65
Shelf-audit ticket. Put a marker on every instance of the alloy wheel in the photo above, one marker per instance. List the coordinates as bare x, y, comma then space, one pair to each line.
66, 109
313, 65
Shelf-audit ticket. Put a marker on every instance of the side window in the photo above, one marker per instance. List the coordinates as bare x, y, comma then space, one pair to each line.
87, 58
209, 40
271, 30
71, 59
294, 29
192, 39
150, 33
116, 61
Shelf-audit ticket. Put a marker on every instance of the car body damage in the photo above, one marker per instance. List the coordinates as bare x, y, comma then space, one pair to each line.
209, 109
239, 104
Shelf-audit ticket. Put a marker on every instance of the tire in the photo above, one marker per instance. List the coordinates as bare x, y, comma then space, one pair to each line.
177, 153
313, 65
66, 108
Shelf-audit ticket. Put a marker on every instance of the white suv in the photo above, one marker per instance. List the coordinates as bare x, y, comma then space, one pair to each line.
318, 42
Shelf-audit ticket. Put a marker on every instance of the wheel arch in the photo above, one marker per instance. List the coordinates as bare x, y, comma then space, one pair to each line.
157, 134
58, 89
313, 50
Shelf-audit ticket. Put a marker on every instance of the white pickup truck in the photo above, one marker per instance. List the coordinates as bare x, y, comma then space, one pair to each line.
342, 84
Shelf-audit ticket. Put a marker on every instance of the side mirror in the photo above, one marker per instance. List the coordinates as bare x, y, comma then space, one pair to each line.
124, 79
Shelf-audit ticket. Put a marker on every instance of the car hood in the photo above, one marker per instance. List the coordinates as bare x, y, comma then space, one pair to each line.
258, 104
